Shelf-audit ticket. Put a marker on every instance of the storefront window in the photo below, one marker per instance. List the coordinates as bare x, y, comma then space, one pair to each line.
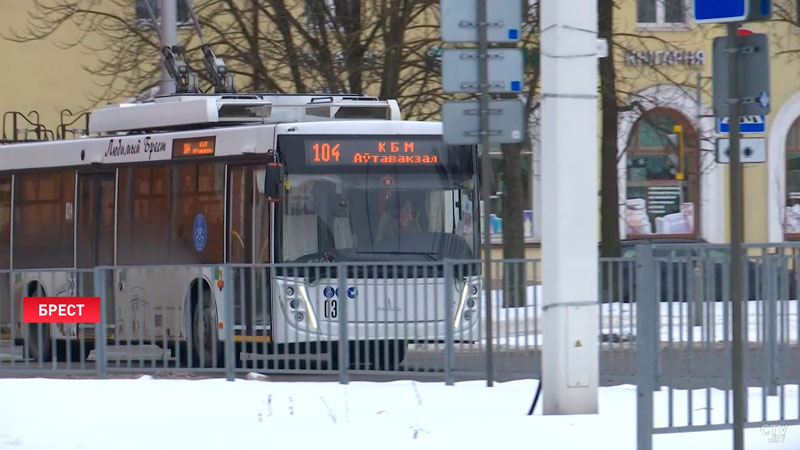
661, 192
792, 211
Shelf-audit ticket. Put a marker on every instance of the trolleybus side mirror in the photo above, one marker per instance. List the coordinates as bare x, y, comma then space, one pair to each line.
273, 182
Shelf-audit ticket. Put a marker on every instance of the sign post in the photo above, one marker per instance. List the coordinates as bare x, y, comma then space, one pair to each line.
737, 236
730, 51
460, 21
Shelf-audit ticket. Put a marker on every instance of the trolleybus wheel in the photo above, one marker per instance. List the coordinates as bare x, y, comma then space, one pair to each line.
38, 342
205, 338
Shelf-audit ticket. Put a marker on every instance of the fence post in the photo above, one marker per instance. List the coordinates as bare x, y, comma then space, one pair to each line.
770, 324
647, 303
697, 298
342, 306
100, 328
449, 283
230, 346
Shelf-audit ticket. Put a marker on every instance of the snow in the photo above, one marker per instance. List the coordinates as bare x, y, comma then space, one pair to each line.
215, 414
522, 326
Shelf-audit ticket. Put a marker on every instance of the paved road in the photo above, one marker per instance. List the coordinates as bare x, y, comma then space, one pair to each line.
681, 366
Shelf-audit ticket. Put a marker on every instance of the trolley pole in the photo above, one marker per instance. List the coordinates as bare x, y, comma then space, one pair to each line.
737, 235
486, 169
169, 36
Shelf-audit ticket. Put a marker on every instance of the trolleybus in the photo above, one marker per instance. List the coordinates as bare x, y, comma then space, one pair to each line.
165, 194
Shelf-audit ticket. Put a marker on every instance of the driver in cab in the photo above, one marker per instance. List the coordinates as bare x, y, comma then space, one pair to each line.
399, 222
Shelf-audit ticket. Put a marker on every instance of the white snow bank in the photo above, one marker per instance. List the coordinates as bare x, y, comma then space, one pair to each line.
215, 414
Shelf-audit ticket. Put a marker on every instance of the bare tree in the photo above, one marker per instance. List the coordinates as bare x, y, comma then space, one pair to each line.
275, 45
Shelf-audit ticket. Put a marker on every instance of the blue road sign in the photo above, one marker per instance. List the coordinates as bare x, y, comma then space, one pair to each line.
715, 11
747, 124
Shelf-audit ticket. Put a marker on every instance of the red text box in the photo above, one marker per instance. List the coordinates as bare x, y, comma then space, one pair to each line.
61, 310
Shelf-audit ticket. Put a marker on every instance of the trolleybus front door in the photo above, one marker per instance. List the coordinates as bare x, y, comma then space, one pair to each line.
248, 243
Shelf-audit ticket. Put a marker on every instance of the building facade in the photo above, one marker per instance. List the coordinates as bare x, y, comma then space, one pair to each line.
672, 189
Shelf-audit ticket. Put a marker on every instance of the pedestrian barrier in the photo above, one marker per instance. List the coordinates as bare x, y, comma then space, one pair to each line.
664, 321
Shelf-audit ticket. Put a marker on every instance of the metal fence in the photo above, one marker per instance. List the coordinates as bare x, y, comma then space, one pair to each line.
664, 321
684, 335
420, 319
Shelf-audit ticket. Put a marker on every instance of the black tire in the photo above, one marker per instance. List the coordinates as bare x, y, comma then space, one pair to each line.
204, 335
38, 343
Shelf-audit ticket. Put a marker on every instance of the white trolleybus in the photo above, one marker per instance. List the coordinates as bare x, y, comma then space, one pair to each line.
166, 194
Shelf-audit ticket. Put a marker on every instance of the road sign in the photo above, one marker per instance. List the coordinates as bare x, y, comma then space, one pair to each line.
752, 150
720, 11
747, 124
753, 68
715, 11
460, 22
460, 70
461, 122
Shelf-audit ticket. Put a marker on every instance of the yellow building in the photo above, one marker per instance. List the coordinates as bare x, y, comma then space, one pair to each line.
663, 70
41, 76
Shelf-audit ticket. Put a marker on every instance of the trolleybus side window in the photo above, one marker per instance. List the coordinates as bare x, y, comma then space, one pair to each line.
44, 217
143, 215
198, 214
171, 214
5, 223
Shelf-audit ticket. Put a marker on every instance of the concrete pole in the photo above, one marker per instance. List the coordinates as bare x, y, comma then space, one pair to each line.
169, 37
570, 183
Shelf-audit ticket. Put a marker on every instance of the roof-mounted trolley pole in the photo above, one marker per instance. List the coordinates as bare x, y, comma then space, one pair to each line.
215, 67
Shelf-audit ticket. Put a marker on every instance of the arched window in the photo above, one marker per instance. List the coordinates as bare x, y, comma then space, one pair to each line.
662, 193
791, 224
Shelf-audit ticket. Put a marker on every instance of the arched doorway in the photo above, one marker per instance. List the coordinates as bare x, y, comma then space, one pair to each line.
662, 192
791, 222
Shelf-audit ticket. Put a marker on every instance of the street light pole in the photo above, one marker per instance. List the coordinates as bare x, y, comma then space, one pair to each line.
169, 37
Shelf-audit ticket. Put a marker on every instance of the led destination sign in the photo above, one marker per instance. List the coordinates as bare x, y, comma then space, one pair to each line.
388, 151
202, 146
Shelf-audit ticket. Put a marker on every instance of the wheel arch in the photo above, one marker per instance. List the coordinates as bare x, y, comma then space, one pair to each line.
190, 300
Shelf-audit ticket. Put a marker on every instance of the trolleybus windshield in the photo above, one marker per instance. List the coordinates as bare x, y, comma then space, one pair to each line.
384, 199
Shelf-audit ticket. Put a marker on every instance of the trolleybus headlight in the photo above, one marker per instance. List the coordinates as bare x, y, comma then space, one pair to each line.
298, 317
467, 315
460, 308
473, 291
293, 303
311, 317
290, 293
471, 303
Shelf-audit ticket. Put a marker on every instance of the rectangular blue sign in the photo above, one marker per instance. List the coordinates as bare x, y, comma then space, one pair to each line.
714, 11
747, 124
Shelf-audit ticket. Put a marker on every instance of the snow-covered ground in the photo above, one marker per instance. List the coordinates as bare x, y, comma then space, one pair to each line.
146, 413
522, 326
